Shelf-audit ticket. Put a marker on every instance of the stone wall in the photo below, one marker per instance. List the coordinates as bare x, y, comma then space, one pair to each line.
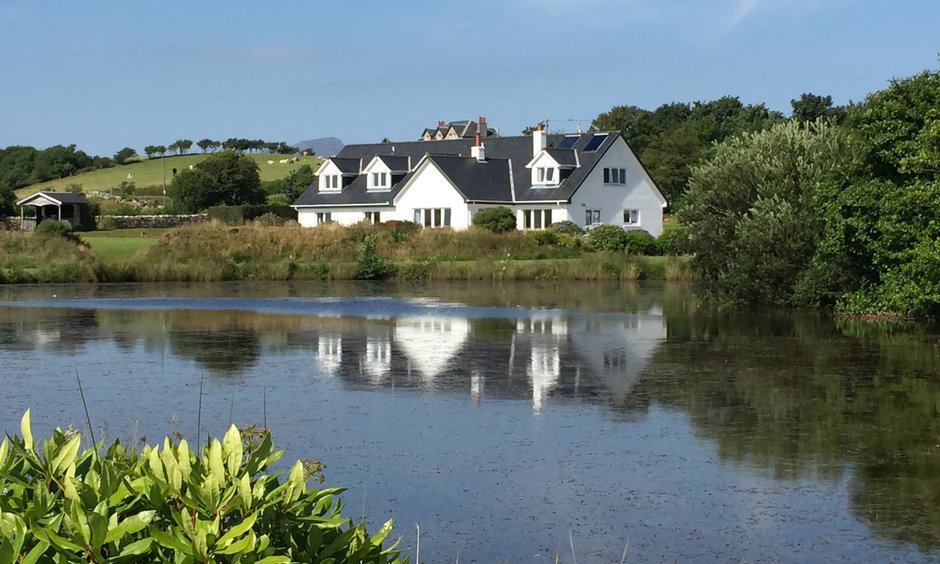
143, 221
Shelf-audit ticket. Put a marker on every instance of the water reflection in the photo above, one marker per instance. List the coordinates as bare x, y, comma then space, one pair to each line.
791, 398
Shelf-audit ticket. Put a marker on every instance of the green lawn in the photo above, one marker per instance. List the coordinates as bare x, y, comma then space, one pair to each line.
149, 172
121, 245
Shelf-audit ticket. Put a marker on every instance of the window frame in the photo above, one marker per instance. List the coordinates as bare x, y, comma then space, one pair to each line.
631, 214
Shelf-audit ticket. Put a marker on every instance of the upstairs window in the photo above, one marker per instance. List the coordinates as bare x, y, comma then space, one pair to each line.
379, 181
615, 176
329, 182
545, 175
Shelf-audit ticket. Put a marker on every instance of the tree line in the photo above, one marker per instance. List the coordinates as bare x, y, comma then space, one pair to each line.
675, 137
836, 207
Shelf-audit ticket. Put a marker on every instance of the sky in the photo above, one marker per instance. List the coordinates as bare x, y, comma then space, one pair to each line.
105, 75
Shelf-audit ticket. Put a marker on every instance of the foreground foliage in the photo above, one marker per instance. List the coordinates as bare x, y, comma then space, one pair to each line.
169, 504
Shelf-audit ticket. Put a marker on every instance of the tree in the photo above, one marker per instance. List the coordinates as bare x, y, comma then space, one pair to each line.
205, 144
811, 107
297, 181
160, 150
183, 146
226, 178
752, 211
499, 219
124, 154
150, 151
629, 120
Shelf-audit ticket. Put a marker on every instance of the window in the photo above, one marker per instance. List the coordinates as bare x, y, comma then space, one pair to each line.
330, 182
324, 217
373, 218
615, 176
592, 217
536, 219
631, 217
432, 217
545, 175
379, 180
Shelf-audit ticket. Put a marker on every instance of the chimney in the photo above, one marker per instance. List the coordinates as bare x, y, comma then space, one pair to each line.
538, 140
440, 123
481, 127
478, 151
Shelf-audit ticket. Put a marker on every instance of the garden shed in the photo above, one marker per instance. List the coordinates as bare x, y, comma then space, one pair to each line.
63, 206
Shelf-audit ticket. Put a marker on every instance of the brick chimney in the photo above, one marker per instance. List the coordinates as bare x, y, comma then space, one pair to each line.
478, 151
440, 123
481, 127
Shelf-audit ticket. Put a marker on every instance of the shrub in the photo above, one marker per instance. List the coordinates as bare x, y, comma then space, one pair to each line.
170, 504
238, 215
569, 227
639, 242
542, 237
608, 238
499, 219
674, 240
401, 231
54, 227
270, 220
369, 265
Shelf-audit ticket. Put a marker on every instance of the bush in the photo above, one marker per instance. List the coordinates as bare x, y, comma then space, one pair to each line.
270, 220
608, 238
238, 215
639, 242
54, 227
674, 240
170, 504
369, 265
401, 231
499, 219
542, 237
569, 227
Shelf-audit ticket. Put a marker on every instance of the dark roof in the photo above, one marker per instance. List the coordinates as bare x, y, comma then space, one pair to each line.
518, 150
486, 181
395, 164
564, 157
61, 197
347, 166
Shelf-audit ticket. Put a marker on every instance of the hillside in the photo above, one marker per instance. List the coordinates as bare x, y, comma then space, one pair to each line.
149, 172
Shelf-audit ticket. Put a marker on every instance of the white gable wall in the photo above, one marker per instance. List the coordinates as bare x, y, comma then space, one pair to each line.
429, 188
612, 199
348, 215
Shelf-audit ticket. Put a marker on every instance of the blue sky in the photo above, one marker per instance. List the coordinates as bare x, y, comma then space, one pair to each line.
104, 75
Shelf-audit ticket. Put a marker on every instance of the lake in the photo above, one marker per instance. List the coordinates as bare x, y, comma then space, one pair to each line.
512, 422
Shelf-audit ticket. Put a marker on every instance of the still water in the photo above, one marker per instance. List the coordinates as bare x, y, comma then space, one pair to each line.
512, 422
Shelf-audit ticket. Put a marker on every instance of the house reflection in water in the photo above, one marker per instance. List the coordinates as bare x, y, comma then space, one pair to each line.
540, 357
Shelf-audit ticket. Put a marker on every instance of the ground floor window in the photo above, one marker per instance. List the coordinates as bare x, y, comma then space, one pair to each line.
631, 217
432, 217
324, 217
536, 219
373, 217
592, 217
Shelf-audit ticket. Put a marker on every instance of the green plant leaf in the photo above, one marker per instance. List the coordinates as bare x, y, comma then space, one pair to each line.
232, 450
137, 548
237, 530
131, 525
215, 461
26, 431
171, 541
32, 557
66, 455
274, 560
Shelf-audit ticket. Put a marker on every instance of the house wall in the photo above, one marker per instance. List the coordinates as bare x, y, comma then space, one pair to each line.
613, 199
431, 189
307, 217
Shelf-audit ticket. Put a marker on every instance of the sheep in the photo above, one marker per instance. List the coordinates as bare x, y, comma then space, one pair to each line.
270, 162
283, 161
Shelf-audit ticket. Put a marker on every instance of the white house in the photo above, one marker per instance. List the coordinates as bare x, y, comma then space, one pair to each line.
587, 178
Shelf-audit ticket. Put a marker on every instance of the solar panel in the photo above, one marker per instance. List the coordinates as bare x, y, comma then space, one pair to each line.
595, 142
569, 141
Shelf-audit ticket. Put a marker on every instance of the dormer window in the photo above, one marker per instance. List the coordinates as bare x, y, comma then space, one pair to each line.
545, 175
329, 182
378, 181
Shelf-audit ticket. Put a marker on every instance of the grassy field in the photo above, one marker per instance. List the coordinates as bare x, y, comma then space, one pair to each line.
149, 172
121, 245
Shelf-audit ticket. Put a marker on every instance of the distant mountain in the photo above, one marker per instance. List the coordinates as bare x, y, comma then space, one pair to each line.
323, 147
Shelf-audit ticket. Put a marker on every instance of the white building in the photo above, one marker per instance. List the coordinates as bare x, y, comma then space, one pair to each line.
588, 178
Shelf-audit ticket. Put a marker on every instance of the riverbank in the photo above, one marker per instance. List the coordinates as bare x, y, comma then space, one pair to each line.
215, 252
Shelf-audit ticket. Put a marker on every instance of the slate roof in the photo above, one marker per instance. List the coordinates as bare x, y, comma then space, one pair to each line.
564, 157
395, 164
347, 166
61, 197
482, 181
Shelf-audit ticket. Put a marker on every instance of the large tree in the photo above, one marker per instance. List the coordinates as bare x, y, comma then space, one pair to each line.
124, 154
752, 211
226, 178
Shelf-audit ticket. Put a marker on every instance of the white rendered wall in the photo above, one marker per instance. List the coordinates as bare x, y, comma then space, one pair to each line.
431, 189
307, 217
612, 199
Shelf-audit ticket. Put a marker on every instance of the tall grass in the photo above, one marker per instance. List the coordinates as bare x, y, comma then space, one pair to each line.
45, 258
